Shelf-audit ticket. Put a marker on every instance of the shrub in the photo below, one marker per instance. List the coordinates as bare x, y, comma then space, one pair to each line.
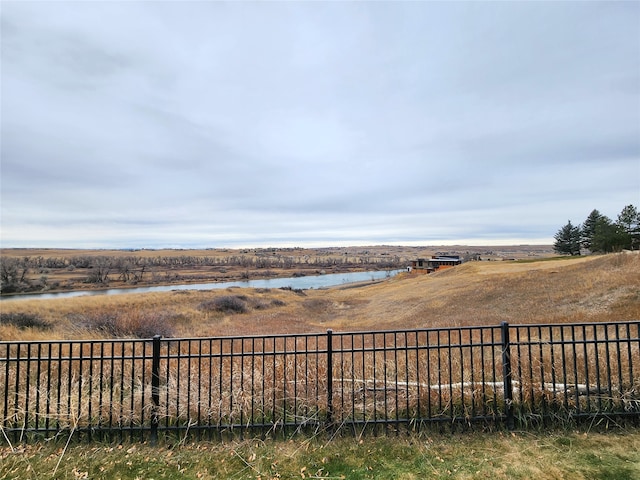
146, 324
24, 320
127, 325
298, 291
8, 288
105, 323
317, 305
226, 304
259, 304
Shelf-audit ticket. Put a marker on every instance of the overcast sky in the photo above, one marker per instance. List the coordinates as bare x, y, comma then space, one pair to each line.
210, 124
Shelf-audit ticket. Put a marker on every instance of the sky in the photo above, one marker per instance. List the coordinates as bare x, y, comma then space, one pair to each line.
153, 124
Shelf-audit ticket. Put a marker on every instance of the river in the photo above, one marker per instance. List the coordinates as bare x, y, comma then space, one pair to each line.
303, 283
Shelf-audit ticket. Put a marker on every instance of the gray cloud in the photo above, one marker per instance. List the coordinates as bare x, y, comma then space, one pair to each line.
207, 123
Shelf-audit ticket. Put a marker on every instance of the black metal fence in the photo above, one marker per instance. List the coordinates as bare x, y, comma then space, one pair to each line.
283, 384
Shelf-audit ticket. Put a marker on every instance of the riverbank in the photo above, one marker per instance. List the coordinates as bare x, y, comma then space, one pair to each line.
66, 270
300, 282
94, 270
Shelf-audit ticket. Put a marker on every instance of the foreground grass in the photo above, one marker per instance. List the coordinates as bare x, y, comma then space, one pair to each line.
501, 455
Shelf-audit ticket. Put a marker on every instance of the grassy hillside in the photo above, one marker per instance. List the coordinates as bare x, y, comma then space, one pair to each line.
584, 289
589, 289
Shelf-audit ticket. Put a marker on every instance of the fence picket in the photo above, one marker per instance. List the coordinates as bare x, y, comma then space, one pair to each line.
507, 375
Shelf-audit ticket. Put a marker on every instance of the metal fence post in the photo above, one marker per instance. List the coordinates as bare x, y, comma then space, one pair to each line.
155, 389
507, 375
329, 377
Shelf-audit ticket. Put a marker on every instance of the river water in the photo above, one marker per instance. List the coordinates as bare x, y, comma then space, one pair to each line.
304, 283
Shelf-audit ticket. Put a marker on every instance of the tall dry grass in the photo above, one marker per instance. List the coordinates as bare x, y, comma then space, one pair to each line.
267, 383
446, 374
590, 289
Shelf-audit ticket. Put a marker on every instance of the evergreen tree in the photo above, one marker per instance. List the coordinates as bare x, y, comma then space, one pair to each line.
629, 222
589, 229
609, 237
568, 240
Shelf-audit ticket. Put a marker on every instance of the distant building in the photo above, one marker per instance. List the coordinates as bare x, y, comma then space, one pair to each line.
435, 263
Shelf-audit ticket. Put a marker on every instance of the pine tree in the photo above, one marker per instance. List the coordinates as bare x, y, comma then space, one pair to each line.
589, 229
568, 240
609, 237
629, 223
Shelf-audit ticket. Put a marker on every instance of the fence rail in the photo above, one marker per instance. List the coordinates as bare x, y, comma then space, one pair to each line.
282, 384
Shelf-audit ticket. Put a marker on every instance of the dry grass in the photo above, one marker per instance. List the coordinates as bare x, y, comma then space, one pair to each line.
479, 293
594, 289
589, 289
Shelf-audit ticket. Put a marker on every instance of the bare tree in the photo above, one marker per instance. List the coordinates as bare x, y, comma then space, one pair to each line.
100, 269
13, 273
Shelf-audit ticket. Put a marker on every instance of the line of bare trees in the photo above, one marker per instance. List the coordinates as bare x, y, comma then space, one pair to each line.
15, 272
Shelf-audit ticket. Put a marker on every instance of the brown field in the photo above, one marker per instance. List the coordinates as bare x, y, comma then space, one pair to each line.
585, 289
494, 252
54, 270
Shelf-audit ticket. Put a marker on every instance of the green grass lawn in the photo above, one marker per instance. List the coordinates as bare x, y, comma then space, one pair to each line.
499, 455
